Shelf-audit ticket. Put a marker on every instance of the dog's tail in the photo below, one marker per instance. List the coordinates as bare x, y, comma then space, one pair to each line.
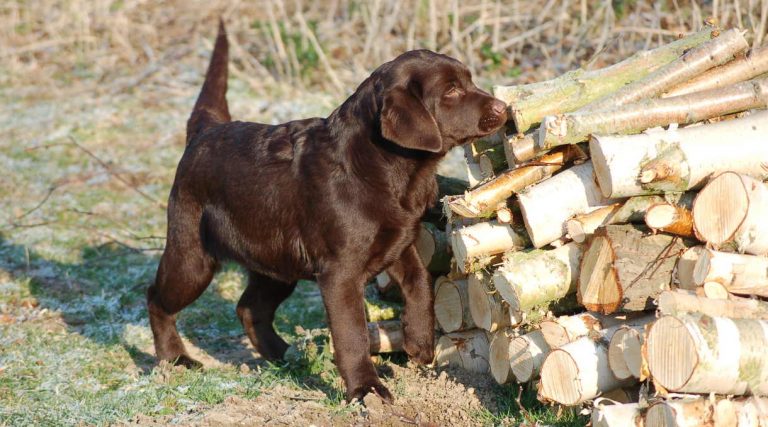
211, 106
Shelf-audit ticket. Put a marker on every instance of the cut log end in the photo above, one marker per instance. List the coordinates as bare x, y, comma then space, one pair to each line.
559, 386
598, 287
686, 265
720, 208
526, 354
624, 355
499, 358
452, 305
524, 148
671, 353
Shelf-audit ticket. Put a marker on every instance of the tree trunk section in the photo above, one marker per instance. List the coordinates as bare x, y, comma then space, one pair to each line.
526, 355
452, 305
685, 267
679, 159
670, 219
625, 357
624, 269
488, 310
738, 274
701, 354
680, 302
385, 336
468, 350
433, 248
582, 226
741, 69
499, 357
474, 246
704, 411
548, 205
730, 212
617, 415
559, 331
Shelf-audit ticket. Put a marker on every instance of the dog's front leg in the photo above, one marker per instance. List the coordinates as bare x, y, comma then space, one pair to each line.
419, 315
343, 298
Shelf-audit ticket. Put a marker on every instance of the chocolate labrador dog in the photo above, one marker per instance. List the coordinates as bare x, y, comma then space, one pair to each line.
336, 200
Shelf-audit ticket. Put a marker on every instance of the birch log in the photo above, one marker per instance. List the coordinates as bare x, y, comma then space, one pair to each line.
474, 245
559, 331
689, 156
488, 309
530, 103
499, 357
624, 353
730, 212
433, 248
623, 269
688, 412
385, 336
452, 305
581, 226
704, 411
576, 127
671, 219
527, 280
715, 52
526, 355
738, 70
617, 415
701, 354
579, 371
679, 302
468, 350
547, 206
685, 267
482, 200
388, 289
738, 274
522, 147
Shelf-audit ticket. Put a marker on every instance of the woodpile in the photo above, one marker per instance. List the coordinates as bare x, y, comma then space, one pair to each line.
622, 239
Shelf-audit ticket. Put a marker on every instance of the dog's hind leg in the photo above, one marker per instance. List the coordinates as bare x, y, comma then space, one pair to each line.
256, 310
185, 271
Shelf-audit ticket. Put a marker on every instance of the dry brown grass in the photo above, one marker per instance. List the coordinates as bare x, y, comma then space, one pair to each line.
54, 46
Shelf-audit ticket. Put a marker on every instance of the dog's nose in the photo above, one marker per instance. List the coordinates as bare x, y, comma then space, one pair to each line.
498, 107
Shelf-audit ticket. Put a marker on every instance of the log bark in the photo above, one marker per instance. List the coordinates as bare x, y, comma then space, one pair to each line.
671, 219
582, 226
579, 371
526, 355
473, 246
685, 267
701, 354
522, 147
625, 357
703, 411
617, 415
385, 336
694, 62
530, 280
679, 159
624, 269
468, 350
499, 357
433, 248
488, 310
738, 274
679, 302
482, 200
559, 331
730, 212
547, 206
572, 128
530, 103
452, 305
741, 69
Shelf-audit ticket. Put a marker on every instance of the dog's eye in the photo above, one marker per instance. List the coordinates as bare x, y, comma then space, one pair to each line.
453, 92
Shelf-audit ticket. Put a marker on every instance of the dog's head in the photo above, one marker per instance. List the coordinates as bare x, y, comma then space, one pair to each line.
428, 102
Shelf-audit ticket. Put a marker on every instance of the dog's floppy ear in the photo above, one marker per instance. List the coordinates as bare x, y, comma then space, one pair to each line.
406, 121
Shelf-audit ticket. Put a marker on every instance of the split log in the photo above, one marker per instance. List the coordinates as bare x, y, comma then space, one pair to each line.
681, 302
696, 353
559, 331
574, 89
576, 127
482, 200
548, 205
695, 412
670, 219
467, 350
488, 310
616, 415
499, 357
694, 62
452, 305
679, 159
730, 212
385, 336
685, 267
527, 280
738, 274
579, 371
474, 246
625, 357
526, 355
624, 269
750, 66
433, 248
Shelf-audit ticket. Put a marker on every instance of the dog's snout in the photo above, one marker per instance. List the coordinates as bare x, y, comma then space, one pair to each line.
498, 107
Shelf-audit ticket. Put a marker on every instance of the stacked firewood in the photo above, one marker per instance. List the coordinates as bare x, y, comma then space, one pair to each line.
618, 236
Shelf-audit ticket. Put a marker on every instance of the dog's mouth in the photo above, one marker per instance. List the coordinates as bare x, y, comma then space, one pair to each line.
491, 123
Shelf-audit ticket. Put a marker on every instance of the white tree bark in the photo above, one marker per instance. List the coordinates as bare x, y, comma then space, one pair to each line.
738, 70
690, 156
474, 245
685, 267
708, 411
488, 309
561, 330
739, 274
679, 302
617, 415
468, 350
701, 354
730, 212
547, 206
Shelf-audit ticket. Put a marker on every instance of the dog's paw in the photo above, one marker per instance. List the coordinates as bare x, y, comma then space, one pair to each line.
187, 362
419, 347
373, 387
